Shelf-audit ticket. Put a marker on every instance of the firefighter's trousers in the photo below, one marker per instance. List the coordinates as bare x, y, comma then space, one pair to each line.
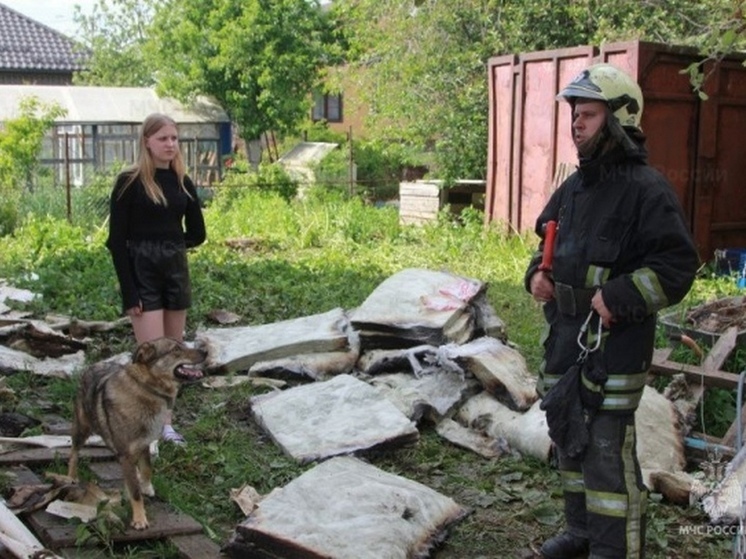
604, 494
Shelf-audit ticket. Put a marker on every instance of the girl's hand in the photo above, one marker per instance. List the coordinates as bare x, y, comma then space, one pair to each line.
134, 311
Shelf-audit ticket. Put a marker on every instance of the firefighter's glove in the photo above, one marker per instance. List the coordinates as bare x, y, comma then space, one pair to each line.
565, 416
593, 378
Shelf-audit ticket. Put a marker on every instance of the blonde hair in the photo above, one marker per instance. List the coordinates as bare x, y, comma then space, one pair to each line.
144, 168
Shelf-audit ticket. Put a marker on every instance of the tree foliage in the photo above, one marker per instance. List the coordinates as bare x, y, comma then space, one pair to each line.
115, 33
418, 65
258, 58
20, 145
421, 64
721, 33
21, 141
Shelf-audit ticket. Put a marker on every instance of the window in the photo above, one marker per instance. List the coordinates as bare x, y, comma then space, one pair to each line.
327, 107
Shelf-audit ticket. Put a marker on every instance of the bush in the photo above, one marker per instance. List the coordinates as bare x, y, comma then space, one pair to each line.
380, 164
9, 217
269, 177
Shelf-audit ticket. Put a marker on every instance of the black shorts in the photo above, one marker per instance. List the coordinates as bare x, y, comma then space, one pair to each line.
161, 274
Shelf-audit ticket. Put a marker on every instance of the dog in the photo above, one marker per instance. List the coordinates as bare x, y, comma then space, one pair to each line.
126, 405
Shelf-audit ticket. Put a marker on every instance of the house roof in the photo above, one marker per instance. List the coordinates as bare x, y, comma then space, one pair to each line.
113, 105
307, 153
27, 45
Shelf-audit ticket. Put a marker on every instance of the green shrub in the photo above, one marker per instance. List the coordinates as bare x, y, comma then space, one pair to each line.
9, 215
269, 177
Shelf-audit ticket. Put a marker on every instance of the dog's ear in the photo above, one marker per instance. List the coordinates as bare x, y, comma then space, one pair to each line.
145, 353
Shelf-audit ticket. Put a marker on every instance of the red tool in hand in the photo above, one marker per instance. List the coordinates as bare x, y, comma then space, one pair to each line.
550, 231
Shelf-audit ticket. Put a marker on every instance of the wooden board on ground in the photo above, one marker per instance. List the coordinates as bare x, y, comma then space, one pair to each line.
196, 547
107, 471
37, 456
57, 533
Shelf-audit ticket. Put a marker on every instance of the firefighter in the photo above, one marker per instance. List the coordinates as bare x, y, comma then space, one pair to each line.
621, 252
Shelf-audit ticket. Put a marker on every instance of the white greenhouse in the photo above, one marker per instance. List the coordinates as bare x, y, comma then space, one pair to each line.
99, 130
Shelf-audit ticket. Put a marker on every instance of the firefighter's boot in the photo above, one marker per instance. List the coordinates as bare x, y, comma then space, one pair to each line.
564, 546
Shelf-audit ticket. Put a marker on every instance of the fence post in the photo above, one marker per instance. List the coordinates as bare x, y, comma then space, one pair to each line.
351, 171
67, 178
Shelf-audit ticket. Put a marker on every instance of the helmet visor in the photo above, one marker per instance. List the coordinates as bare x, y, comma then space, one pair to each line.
585, 91
582, 86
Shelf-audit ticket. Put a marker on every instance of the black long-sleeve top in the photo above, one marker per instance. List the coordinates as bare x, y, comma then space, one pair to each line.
135, 217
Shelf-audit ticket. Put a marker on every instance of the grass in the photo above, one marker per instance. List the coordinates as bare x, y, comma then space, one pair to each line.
269, 260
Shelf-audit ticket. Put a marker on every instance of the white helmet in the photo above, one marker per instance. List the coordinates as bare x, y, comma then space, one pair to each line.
604, 82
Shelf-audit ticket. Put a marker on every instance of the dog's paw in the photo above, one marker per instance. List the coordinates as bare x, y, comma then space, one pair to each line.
139, 524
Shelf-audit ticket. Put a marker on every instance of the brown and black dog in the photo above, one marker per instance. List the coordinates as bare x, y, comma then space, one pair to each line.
127, 405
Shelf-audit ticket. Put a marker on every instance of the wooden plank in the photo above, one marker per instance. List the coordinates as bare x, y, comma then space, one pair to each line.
56, 532
40, 456
419, 189
564, 170
419, 205
715, 359
196, 547
184, 532
693, 373
107, 471
721, 350
23, 476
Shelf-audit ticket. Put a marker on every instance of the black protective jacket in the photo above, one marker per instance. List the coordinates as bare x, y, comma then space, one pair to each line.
620, 229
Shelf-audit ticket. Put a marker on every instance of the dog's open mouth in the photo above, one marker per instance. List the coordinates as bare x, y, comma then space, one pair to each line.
187, 372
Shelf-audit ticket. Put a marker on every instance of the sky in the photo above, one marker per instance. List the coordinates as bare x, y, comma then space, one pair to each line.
57, 14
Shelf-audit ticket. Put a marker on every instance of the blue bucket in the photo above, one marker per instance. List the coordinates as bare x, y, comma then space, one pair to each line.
741, 281
732, 262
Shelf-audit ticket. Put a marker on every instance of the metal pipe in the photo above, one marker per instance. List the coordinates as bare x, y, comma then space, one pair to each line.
739, 429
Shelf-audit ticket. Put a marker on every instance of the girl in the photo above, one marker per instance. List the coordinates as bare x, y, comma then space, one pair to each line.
155, 217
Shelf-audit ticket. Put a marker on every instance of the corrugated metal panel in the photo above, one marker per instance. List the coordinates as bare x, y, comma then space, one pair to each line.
697, 145
87, 104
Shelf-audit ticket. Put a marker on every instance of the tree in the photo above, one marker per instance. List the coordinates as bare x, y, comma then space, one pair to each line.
421, 64
20, 145
260, 59
21, 142
114, 34
721, 34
